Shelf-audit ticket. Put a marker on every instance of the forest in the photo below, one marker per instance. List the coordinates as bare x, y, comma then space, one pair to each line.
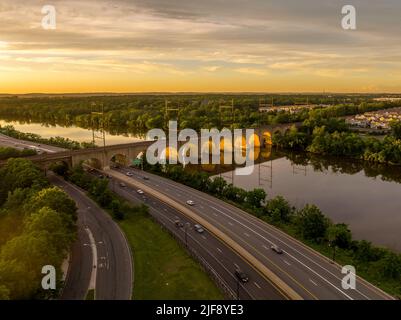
37, 228
139, 113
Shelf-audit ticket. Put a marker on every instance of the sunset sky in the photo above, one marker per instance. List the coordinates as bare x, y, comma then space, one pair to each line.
200, 45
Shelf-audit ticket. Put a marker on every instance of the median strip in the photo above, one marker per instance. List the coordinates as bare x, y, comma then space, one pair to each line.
273, 278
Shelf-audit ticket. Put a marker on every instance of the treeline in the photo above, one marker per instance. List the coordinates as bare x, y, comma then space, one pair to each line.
37, 228
137, 114
53, 141
330, 136
378, 265
98, 189
6, 153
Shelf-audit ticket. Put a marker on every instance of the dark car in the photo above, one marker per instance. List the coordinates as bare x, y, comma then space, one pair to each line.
145, 178
242, 276
276, 249
178, 223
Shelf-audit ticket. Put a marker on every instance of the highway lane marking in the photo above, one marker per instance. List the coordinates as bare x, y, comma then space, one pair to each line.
313, 282
286, 262
215, 214
230, 223
219, 250
258, 286
265, 247
204, 237
241, 216
266, 278
215, 258
236, 265
247, 234
269, 260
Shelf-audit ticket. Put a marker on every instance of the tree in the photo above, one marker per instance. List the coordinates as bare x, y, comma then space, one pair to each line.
311, 223
339, 235
390, 266
256, 197
57, 200
51, 224
4, 293
396, 129
19, 173
217, 186
279, 210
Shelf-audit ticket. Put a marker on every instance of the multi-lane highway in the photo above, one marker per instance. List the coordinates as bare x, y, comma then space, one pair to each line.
101, 257
7, 141
216, 256
309, 274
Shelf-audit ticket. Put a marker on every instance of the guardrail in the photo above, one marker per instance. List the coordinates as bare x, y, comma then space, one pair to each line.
279, 284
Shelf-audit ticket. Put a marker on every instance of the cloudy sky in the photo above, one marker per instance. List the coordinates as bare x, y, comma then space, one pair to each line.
200, 45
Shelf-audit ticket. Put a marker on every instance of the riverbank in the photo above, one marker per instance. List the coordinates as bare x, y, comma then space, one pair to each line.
380, 266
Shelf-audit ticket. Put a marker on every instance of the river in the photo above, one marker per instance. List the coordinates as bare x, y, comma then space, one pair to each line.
364, 196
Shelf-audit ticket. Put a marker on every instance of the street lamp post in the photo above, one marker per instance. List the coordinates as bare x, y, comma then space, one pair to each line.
186, 233
238, 287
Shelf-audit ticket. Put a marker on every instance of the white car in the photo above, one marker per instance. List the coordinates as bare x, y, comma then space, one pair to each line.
140, 191
129, 174
198, 228
190, 203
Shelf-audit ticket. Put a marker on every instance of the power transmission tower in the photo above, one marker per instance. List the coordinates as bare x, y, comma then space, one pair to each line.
230, 108
167, 111
98, 132
269, 169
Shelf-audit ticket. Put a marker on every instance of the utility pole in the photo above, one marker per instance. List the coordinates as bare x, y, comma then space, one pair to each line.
168, 110
102, 129
186, 234
238, 287
232, 111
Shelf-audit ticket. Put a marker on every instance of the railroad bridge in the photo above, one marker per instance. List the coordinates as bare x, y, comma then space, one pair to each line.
102, 157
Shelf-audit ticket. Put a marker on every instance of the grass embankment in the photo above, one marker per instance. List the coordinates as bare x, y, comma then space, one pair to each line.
163, 269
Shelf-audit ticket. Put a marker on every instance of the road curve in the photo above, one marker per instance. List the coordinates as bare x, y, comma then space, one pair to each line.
218, 258
308, 273
114, 270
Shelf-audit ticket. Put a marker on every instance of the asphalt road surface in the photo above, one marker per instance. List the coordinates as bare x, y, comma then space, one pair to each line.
7, 141
220, 259
111, 272
308, 273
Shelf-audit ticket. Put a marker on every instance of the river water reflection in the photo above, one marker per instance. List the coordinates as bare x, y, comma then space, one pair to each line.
365, 196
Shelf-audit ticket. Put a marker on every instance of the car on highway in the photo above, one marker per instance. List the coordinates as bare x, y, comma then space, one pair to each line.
241, 276
139, 191
178, 223
145, 178
190, 203
198, 228
129, 174
277, 249
122, 185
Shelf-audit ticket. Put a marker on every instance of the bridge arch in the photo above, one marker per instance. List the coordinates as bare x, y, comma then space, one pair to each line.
120, 159
267, 138
94, 163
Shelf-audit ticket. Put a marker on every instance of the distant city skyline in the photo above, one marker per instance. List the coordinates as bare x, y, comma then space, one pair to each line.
200, 46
